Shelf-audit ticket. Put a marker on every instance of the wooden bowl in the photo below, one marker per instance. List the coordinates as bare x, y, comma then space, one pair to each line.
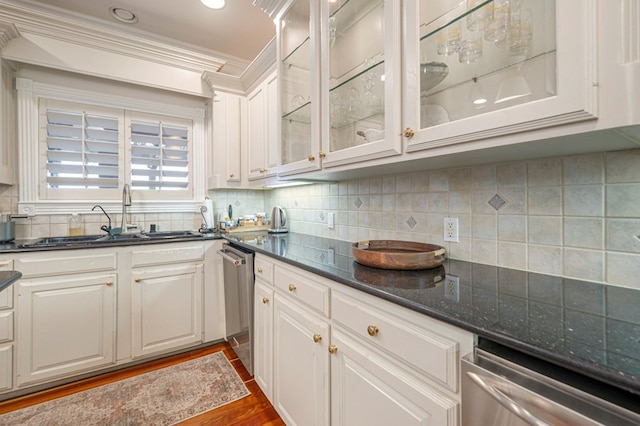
401, 255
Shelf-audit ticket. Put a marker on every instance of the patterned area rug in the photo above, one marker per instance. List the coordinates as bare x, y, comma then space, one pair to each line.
160, 397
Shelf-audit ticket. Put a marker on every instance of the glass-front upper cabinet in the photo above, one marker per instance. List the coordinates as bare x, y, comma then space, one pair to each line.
299, 87
361, 85
476, 69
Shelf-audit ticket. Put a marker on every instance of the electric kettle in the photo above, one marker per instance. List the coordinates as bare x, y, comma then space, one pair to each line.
278, 221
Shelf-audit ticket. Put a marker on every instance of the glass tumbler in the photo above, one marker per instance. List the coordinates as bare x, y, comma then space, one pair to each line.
521, 35
449, 39
479, 19
498, 30
471, 47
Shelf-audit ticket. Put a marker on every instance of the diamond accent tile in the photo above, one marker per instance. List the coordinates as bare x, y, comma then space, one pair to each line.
237, 203
296, 203
358, 202
322, 216
497, 202
411, 222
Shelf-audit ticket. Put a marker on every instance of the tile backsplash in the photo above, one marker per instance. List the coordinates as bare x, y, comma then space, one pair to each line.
575, 216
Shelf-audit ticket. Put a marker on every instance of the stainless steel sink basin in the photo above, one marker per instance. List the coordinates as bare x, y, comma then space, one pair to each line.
89, 240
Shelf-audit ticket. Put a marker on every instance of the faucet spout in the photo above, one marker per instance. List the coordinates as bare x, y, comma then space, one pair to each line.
126, 201
103, 227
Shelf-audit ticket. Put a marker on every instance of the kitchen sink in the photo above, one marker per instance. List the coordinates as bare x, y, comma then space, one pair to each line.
89, 240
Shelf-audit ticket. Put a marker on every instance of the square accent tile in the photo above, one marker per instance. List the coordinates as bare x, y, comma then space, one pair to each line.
497, 202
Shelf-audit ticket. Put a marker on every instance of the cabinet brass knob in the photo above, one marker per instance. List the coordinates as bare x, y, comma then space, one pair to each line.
372, 330
231, 175
322, 154
311, 157
333, 349
292, 287
317, 338
109, 283
263, 170
265, 300
409, 132
259, 270
137, 280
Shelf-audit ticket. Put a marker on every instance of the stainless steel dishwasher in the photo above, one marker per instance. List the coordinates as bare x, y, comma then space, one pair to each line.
504, 390
238, 301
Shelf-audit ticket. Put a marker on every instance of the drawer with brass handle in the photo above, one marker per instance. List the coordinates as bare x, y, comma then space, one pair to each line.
432, 352
305, 288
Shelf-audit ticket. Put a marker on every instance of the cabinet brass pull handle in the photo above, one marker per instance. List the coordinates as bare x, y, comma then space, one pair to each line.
109, 283
333, 349
311, 157
317, 338
137, 280
265, 300
292, 287
264, 170
372, 330
259, 270
409, 132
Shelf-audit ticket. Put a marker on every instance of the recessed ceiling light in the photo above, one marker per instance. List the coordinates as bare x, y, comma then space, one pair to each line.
123, 15
214, 4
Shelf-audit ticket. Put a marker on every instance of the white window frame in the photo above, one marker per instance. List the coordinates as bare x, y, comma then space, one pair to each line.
30, 201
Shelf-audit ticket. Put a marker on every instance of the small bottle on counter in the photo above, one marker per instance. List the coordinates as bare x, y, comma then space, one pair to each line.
75, 225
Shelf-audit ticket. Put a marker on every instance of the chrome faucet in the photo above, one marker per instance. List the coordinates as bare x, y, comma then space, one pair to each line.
126, 201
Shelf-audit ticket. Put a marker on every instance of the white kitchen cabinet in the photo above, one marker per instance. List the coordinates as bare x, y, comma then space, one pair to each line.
263, 325
298, 51
262, 151
263, 338
8, 136
484, 69
6, 333
65, 325
166, 308
340, 84
361, 80
344, 357
226, 131
370, 389
301, 364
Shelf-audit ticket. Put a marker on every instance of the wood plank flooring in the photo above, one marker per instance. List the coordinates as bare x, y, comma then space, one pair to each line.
254, 410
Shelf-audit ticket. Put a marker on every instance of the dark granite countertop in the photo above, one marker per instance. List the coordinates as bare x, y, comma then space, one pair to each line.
8, 277
24, 245
586, 327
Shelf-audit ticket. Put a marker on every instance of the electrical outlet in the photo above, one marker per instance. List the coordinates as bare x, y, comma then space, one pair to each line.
452, 287
451, 230
331, 220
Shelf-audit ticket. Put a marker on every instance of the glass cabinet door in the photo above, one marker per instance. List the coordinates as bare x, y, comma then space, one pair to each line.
483, 68
299, 88
360, 80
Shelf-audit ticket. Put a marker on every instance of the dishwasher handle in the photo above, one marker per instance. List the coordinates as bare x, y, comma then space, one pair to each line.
233, 260
505, 401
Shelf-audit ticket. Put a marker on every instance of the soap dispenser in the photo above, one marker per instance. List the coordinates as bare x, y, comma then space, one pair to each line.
75, 225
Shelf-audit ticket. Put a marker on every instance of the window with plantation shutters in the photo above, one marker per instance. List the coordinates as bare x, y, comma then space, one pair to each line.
159, 155
82, 150
89, 152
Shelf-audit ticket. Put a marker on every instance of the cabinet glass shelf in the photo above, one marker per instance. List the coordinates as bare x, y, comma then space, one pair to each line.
358, 98
504, 49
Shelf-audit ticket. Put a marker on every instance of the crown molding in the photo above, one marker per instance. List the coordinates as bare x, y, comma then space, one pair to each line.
270, 7
255, 72
90, 33
7, 33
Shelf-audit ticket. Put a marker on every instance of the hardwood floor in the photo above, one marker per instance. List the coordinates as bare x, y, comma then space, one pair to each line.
254, 410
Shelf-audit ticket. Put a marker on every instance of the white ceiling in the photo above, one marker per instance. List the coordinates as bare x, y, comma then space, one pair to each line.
239, 30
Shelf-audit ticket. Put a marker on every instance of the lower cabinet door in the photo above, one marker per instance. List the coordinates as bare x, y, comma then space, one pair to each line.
6, 367
166, 308
66, 325
369, 389
263, 339
301, 364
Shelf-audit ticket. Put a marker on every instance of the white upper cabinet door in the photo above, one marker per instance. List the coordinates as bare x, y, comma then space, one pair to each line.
298, 56
361, 84
479, 69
